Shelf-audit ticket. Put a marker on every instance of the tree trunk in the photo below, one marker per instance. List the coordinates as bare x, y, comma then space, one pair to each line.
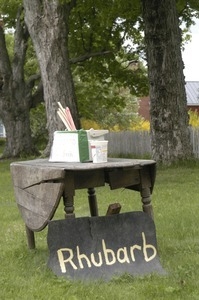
169, 118
47, 22
14, 96
18, 133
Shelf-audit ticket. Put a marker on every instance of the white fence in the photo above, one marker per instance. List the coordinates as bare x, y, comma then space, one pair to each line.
195, 141
138, 143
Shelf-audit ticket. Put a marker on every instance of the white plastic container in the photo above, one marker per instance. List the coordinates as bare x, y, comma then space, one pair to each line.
95, 135
99, 151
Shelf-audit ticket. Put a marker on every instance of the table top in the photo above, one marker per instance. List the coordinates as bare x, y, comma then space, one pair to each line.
39, 184
111, 163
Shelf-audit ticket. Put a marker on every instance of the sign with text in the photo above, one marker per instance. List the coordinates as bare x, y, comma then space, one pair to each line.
91, 248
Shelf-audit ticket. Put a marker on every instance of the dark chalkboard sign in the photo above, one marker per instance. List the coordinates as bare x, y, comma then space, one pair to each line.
92, 248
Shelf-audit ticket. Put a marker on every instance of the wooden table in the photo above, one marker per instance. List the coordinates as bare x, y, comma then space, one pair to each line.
39, 185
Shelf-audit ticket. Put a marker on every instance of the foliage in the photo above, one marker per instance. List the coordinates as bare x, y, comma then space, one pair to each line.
86, 124
25, 274
99, 78
138, 124
193, 118
115, 29
10, 44
8, 11
141, 125
104, 38
100, 58
38, 126
103, 28
105, 99
188, 12
31, 64
2, 145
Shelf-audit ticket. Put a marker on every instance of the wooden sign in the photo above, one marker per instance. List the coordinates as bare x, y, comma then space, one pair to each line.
91, 248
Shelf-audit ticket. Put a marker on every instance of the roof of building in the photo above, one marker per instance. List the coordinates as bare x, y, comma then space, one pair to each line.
192, 92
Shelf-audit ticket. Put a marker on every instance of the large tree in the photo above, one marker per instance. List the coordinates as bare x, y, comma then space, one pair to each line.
170, 136
16, 92
76, 32
47, 23
93, 36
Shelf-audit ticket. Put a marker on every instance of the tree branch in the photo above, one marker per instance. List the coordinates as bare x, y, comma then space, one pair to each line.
20, 46
5, 66
31, 80
88, 55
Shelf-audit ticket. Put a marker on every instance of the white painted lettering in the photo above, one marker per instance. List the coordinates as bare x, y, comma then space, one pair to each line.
148, 246
132, 248
94, 261
63, 261
123, 252
106, 256
109, 254
82, 256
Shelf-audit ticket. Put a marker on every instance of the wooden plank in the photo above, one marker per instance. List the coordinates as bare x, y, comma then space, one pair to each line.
39, 202
113, 209
30, 238
88, 179
111, 163
35, 203
147, 175
118, 178
25, 175
35, 222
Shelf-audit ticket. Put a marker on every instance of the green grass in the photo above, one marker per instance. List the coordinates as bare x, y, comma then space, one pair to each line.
24, 273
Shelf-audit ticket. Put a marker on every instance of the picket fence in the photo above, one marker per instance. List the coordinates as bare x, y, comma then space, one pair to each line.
137, 143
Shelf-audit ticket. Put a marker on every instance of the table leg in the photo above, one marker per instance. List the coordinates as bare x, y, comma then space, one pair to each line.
146, 201
68, 194
69, 206
92, 199
30, 238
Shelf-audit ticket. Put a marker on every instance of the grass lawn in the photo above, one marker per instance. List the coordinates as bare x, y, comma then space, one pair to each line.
24, 274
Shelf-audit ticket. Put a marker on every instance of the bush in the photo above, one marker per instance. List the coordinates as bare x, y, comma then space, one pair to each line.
193, 118
38, 126
2, 144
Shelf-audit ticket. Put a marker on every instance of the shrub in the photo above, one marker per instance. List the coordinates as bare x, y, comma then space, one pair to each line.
193, 118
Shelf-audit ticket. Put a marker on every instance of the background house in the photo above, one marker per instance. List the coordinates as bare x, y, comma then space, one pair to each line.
192, 93
144, 107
